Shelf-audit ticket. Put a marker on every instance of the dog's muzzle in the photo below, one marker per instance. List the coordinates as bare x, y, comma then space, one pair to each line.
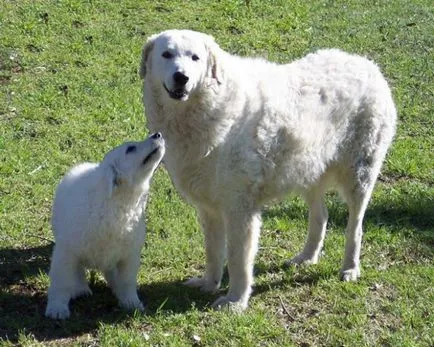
176, 93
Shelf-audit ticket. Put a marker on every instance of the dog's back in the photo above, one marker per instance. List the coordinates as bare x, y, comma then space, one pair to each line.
74, 192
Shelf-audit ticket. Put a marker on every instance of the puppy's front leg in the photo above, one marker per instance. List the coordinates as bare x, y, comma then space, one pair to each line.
67, 281
123, 282
214, 231
242, 229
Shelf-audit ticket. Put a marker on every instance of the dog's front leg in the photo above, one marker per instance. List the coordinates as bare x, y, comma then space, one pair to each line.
214, 231
123, 281
68, 281
242, 229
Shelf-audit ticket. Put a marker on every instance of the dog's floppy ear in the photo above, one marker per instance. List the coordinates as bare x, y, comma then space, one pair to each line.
213, 58
145, 54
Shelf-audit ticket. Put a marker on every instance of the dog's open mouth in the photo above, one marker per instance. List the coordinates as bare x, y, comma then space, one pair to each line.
149, 156
177, 93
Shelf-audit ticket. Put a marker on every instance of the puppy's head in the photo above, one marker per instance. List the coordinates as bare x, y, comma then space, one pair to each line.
180, 62
132, 164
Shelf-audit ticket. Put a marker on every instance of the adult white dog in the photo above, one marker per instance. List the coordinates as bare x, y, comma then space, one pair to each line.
242, 132
98, 223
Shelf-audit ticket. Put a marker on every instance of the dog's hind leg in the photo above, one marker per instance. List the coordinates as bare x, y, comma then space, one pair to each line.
359, 182
214, 231
356, 191
82, 287
353, 240
242, 229
357, 197
357, 203
317, 229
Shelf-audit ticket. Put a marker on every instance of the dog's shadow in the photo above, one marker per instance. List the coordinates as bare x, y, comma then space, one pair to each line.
23, 300
412, 215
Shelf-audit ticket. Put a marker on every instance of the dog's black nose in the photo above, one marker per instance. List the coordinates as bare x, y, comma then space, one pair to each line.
180, 78
156, 136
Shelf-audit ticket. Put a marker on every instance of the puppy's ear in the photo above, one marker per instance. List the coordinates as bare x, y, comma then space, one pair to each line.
145, 54
214, 52
113, 179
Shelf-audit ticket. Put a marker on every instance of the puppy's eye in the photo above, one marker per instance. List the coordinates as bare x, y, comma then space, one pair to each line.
194, 57
167, 55
130, 149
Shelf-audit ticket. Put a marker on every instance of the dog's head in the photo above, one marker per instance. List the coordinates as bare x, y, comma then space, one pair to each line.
133, 163
181, 62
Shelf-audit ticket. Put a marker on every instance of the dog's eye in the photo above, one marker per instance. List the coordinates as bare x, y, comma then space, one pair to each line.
167, 55
195, 57
130, 149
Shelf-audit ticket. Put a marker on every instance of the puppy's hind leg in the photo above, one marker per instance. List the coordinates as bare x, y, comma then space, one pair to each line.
317, 229
213, 228
82, 287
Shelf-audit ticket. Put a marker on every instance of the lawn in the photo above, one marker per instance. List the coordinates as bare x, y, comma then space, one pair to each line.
70, 91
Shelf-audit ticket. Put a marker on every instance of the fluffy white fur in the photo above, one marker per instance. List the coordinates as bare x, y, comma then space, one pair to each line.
243, 132
98, 223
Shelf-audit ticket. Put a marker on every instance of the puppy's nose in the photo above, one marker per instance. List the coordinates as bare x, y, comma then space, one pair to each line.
180, 78
157, 136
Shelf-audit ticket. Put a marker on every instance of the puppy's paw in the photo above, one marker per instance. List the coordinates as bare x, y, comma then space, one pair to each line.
302, 259
57, 311
350, 275
131, 303
225, 303
204, 284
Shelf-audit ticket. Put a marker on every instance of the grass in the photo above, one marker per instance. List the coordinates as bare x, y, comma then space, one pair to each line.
69, 91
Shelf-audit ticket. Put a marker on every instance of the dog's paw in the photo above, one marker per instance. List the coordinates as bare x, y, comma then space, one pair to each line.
225, 303
204, 284
302, 259
350, 275
57, 311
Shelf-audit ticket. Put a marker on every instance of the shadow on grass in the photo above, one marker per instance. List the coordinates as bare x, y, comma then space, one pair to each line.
411, 213
23, 302
310, 281
173, 297
18, 264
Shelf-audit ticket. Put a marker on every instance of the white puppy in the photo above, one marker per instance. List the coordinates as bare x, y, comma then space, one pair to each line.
243, 132
98, 223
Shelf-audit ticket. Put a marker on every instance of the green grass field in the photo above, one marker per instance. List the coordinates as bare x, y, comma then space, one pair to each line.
70, 91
